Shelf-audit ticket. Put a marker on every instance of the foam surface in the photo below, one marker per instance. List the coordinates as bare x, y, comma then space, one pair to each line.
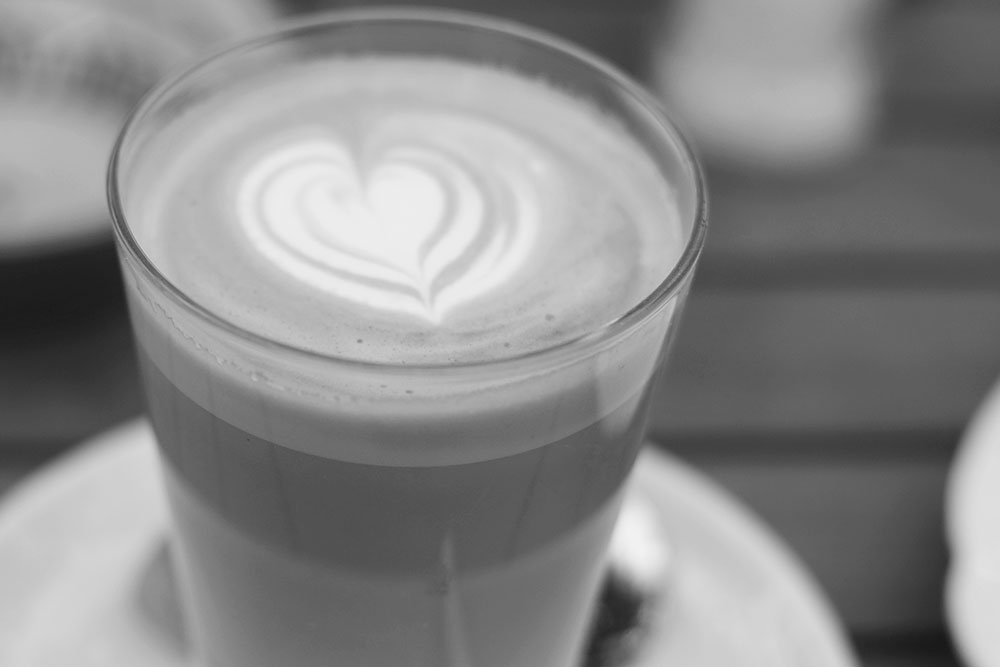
405, 211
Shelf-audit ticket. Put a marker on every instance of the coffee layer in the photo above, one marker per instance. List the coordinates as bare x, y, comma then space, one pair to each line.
405, 211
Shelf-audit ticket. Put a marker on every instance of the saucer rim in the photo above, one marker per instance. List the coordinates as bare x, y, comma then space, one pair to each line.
659, 476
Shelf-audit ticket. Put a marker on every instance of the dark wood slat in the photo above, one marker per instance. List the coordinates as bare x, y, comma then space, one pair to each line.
806, 361
871, 532
904, 658
906, 215
785, 447
619, 31
565, 7
64, 382
949, 49
927, 649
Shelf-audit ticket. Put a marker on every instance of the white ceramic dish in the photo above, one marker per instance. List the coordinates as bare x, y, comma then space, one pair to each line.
972, 513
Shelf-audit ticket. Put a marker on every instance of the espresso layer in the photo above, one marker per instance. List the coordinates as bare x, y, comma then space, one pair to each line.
405, 211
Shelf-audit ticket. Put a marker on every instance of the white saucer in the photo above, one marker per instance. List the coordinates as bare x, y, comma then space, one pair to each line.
972, 598
86, 580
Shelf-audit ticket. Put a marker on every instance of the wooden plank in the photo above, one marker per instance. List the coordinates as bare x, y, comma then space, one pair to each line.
870, 531
907, 215
619, 31
61, 384
761, 363
947, 49
904, 658
912, 649
567, 8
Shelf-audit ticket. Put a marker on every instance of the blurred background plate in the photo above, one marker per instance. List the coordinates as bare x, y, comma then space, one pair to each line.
973, 530
70, 71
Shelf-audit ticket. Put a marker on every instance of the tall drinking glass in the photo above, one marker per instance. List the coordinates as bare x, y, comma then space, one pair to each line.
400, 283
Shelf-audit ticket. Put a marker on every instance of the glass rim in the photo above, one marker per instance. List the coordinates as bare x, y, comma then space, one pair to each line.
499, 27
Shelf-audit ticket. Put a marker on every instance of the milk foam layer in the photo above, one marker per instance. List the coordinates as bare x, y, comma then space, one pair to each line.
406, 211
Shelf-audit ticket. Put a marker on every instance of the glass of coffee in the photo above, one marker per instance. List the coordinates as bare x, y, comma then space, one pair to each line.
400, 282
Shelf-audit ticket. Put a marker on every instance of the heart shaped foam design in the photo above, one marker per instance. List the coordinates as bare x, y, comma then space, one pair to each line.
411, 230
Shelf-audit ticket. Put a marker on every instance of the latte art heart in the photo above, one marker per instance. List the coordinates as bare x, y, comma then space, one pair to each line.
410, 228
406, 211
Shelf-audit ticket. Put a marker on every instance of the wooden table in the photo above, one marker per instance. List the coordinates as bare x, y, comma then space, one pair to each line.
841, 331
